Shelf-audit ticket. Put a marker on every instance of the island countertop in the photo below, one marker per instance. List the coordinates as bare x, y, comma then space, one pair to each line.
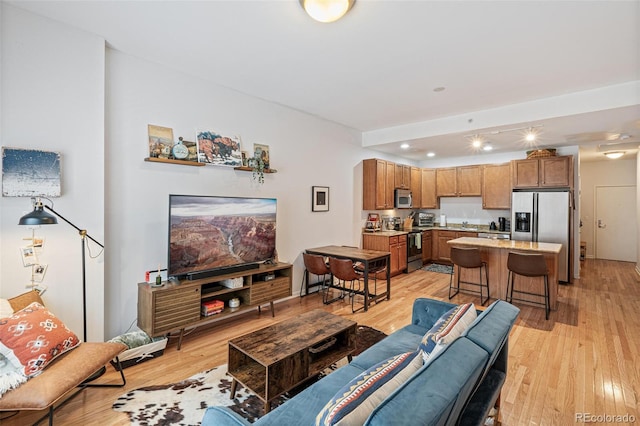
496, 253
508, 244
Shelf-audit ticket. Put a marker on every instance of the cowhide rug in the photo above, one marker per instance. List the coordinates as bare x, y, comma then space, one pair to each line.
184, 403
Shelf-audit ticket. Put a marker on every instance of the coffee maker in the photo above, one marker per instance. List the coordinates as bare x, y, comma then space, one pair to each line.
502, 224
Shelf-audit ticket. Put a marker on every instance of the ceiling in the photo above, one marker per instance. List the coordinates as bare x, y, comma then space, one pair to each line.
570, 68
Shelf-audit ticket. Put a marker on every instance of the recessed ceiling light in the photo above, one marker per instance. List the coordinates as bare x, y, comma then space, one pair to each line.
404, 146
614, 154
431, 154
439, 89
531, 135
476, 141
487, 147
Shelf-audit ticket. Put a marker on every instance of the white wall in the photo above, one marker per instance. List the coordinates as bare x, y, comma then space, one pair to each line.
306, 151
601, 173
52, 87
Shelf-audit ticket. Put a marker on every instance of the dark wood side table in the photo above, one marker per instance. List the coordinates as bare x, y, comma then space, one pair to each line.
275, 359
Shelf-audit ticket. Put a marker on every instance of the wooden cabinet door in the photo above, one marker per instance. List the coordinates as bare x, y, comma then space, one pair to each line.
416, 187
525, 173
496, 186
469, 181
426, 246
402, 253
428, 199
556, 171
444, 250
403, 176
446, 182
395, 259
389, 185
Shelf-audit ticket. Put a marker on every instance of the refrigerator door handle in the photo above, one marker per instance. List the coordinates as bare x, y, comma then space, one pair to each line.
534, 218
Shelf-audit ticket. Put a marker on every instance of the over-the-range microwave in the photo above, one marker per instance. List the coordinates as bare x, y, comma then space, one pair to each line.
403, 199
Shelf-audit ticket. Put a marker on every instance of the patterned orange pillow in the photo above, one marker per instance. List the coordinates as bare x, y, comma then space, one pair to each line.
33, 337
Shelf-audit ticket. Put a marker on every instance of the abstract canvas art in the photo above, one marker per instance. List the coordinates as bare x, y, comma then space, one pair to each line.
30, 173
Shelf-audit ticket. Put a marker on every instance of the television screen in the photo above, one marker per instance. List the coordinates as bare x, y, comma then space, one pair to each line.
211, 233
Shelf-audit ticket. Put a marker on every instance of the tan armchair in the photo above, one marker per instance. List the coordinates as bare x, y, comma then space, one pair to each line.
67, 373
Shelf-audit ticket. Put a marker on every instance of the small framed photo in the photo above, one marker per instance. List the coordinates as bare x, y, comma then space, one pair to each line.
28, 256
320, 198
38, 272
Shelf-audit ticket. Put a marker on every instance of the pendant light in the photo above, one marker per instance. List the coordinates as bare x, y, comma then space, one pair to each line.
327, 10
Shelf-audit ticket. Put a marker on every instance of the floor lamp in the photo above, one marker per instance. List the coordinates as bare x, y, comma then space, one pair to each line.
40, 217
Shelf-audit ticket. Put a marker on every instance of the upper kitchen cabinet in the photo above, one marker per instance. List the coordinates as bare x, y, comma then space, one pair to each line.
378, 184
428, 199
403, 176
416, 187
545, 172
496, 186
465, 181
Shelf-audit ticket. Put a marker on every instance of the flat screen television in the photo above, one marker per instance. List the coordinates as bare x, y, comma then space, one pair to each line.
213, 235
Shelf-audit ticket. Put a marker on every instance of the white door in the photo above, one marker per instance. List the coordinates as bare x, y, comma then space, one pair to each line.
616, 223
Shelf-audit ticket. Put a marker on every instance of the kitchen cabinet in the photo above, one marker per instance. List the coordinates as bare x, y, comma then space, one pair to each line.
428, 199
496, 186
426, 246
403, 176
465, 181
394, 244
378, 183
441, 248
416, 187
546, 172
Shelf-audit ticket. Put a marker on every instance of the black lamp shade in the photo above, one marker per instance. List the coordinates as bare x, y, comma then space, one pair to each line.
38, 217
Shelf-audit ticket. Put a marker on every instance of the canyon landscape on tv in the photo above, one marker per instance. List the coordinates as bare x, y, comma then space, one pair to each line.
208, 233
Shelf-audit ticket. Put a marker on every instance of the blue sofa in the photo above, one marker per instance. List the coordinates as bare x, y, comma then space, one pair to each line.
459, 386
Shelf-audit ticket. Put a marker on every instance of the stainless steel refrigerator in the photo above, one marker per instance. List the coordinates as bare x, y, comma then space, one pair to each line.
543, 217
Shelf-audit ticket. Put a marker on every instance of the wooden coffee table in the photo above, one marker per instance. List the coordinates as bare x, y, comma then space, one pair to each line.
275, 359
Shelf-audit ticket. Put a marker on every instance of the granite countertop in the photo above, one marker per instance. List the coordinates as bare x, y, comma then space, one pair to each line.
483, 229
508, 244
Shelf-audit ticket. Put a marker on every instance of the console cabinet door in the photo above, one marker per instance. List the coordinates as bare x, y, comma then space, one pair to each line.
496, 186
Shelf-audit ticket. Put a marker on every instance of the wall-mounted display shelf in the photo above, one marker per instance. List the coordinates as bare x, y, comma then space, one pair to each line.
249, 169
171, 161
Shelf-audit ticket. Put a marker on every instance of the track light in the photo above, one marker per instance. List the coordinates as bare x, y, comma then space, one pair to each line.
531, 135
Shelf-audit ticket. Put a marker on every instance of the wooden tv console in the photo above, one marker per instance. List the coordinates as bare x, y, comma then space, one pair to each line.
175, 307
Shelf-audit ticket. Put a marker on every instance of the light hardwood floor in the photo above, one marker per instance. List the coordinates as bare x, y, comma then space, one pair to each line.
585, 360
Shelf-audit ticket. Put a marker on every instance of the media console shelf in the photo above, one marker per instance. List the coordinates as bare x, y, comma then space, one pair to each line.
176, 307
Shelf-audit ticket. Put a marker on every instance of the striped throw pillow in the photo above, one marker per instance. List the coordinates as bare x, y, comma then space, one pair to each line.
448, 328
353, 404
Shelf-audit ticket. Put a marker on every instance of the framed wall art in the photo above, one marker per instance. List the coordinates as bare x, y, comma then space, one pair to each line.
160, 141
218, 150
320, 198
30, 173
262, 151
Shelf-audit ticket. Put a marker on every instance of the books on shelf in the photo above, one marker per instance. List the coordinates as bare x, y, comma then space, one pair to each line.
212, 307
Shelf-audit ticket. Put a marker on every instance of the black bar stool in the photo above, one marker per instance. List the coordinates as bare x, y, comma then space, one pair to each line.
468, 258
528, 265
316, 265
343, 270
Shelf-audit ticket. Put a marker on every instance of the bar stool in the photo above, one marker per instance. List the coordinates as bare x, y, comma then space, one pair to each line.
468, 258
528, 265
316, 265
343, 270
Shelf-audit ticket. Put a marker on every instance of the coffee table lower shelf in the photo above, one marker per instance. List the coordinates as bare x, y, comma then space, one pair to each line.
297, 357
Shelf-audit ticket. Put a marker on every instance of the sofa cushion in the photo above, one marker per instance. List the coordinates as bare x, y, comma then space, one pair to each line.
33, 337
404, 340
357, 399
449, 326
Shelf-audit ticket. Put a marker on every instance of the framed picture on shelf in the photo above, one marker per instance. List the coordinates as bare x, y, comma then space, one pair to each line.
218, 150
160, 141
262, 151
320, 198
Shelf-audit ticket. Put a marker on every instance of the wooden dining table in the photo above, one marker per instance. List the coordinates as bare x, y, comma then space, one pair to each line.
367, 258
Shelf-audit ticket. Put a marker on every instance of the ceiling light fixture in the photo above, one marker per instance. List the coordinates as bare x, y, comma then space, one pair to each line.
614, 154
404, 146
531, 132
327, 10
531, 135
476, 141
431, 154
487, 147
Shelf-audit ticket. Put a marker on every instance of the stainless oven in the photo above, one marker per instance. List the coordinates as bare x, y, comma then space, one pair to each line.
414, 251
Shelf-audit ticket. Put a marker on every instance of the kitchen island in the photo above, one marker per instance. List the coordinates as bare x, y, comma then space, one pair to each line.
495, 253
